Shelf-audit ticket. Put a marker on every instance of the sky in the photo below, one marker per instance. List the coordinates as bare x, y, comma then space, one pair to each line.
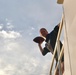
20, 21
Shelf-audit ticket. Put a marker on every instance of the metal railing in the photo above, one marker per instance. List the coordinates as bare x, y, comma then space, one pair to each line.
55, 49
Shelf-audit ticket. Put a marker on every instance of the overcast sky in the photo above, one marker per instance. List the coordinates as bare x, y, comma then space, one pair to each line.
20, 21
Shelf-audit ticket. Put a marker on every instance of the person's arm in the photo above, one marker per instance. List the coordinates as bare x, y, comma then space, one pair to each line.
40, 47
44, 50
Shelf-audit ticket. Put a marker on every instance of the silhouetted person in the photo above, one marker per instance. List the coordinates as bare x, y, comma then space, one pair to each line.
50, 39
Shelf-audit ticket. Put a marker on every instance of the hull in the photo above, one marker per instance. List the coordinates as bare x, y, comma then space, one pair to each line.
70, 36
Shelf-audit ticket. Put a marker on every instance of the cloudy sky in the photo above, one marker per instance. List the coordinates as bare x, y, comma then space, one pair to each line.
20, 21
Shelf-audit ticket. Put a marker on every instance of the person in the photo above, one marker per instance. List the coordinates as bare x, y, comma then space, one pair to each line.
50, 39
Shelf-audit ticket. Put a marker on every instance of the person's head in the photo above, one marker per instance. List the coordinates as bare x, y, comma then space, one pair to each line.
43, 32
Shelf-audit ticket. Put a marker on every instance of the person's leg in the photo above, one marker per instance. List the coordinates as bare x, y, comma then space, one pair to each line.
62, 67
57, 72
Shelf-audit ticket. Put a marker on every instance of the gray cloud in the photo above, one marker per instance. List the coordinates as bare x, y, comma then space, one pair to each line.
19, 61
17, 58
9, 34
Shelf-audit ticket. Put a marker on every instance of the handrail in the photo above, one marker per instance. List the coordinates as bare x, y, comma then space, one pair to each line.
55, 49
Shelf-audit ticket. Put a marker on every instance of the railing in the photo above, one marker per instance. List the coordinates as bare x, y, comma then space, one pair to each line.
55, 49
